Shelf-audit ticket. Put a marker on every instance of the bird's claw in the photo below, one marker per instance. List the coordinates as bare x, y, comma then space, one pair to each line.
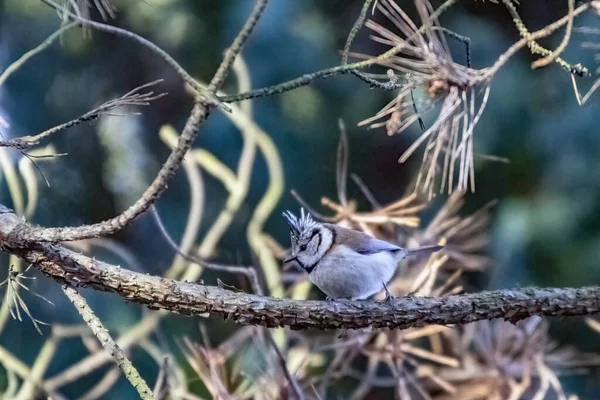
388, 296
335, 304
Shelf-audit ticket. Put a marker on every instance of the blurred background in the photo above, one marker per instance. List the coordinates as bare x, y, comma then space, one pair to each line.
546, 224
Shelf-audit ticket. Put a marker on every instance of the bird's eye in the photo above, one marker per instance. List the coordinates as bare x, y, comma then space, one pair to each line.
303, 247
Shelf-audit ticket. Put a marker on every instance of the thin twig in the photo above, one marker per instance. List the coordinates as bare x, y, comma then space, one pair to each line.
542, 62
249, 272
299, 82
374, 83
142, 41
25, 57
197, 194
341, 175
463, 39
307, 79
530, 39
198, 115
108, 343
355, 28
237, 46
156, 188
365, 191
293, 382
132, 98
585, 98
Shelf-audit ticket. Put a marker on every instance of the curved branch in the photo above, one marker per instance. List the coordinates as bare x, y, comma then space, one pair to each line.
353, 68
33, 52
131, 36
157, 187
546, 31
156, 292
542, 62
199, 113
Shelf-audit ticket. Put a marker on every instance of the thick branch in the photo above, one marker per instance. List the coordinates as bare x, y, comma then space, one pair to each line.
75, 269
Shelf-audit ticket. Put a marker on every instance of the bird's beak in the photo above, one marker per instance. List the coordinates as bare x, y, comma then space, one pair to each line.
287, 261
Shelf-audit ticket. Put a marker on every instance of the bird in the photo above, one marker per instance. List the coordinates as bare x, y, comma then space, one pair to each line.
344, 263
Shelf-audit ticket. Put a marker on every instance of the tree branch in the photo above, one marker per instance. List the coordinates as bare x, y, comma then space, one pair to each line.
204, 103
531, 38
156, 292
131, 98
157, 187
108, 343
33, 52
131, 36
345, 68
237, 46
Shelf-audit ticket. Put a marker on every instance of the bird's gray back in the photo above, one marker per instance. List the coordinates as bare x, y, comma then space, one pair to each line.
359, 241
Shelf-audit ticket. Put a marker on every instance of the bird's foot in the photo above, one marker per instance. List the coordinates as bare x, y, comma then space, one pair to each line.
388, 296
330, 299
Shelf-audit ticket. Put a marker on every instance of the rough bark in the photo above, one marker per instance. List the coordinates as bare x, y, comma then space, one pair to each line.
66, 266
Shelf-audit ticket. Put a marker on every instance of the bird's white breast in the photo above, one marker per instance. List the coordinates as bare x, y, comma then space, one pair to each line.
344, 273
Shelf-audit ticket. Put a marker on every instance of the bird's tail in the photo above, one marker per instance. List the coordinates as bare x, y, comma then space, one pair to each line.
424, 249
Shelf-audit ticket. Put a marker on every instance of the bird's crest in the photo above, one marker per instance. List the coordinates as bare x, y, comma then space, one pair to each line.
299, 225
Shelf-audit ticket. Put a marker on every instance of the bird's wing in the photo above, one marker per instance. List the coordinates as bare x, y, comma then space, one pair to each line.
372, 246
361, 242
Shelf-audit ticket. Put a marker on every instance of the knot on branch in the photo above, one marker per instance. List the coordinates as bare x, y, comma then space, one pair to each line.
12, 230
